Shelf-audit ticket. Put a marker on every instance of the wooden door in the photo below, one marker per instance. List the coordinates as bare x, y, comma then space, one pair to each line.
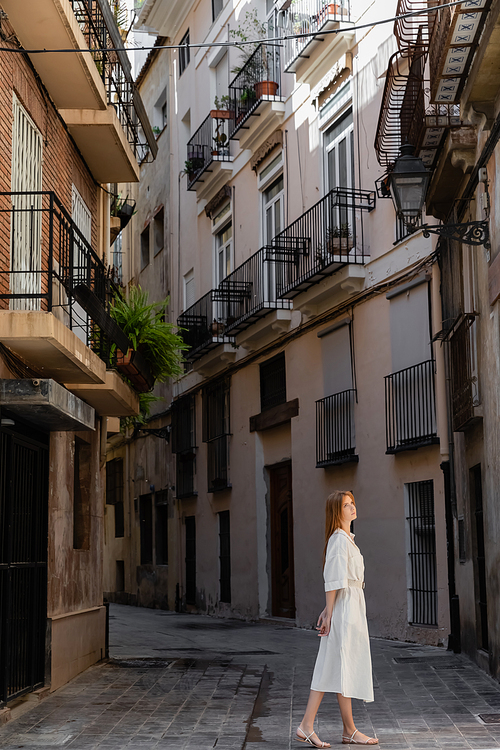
282, 570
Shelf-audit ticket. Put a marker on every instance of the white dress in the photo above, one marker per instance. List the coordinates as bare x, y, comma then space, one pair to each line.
344, 662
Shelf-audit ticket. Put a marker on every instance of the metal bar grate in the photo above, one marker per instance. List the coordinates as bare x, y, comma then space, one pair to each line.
421, 547
410, 408
335, 440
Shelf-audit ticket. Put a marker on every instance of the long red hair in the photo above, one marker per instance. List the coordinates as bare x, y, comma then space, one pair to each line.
333, 519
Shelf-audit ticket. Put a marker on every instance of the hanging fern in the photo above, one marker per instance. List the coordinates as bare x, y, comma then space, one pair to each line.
144, 324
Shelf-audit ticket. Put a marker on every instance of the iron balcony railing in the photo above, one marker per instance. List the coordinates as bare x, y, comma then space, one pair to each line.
463, 367
307, 17
47, 264
335, 440
209, 144
97, 23
258, 80
327, 236
249, 293
203, 325
410, 408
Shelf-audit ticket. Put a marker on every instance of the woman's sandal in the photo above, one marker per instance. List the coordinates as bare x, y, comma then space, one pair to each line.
307, 739
351, 741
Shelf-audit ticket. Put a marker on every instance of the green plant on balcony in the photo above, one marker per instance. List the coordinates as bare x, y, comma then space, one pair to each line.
250, 28
222, 109
144, 324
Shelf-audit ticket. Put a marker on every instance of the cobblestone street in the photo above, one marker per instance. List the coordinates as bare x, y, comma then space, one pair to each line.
181, 681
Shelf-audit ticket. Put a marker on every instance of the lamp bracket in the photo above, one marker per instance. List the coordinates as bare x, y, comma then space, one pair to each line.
472, 233
162, 432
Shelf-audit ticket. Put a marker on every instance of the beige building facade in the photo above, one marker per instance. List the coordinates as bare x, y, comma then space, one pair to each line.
310, 316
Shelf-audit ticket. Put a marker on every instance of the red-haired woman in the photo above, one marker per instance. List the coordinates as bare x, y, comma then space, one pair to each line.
343, 665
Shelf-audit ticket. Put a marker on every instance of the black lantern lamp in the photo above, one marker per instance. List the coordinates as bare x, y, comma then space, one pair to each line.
408, 183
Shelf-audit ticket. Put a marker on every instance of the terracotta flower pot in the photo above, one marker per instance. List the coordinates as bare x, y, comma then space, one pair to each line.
221, 114
266, 88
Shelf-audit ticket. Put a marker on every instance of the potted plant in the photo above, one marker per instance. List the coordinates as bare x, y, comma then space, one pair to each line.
217, 328
222, 111
195, 156
221, 144
339, 239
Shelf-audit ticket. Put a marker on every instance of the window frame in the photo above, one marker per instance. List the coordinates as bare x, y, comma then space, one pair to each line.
184, 53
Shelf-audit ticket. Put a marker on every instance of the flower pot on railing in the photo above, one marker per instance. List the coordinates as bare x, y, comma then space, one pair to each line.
266, 88
221, 114
217, 328
133, 366
340, 245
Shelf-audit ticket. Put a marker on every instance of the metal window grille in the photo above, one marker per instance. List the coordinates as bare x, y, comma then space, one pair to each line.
184, 53
410, 408
161, 528
273, 382
463, 366
335, 441
224, 557
184, 445
216, 433
190, 559
146, 528
114, 481
421, 550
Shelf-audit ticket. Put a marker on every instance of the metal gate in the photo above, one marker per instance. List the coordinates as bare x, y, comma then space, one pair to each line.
23, 563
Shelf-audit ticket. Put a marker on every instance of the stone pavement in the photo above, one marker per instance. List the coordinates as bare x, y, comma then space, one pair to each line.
187, 681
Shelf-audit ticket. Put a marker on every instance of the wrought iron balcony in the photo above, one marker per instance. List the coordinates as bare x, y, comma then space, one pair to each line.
46, 264
309, 17
326, 237
410, 408
204, 325
463, 367
258, 81
210, 144
249, 293
97, 23
335, 442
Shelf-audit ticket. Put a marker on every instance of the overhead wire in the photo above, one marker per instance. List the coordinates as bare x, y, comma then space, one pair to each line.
268, 40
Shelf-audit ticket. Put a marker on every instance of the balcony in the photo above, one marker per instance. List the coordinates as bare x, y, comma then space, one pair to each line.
54, 293
93, 91
208, 158
255, 97
313, 54
462, 340
249, 293
324, 239
410, 408
203, 326
335, 442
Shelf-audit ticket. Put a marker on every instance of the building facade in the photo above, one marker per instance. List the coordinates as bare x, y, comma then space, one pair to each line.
68, 130
311, 316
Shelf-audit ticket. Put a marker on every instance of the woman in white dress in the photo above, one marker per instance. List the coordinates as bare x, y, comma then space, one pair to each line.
343, 665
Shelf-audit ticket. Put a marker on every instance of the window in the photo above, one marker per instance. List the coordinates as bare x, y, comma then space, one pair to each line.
223, 253
26, 258
335, 434
339, 150
145, 248
217, 6
273, 199
216, 433
159, 231
114, 481
224, 557
119, 520
161, 527
190, 559
184, 445
421, 571
120, 575
160, 113
272, 382
146, 528
81, 495
189, 290
184, 54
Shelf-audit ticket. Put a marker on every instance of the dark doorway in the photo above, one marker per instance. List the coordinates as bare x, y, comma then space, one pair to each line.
190, 560
23, 562
282, 571
476, 495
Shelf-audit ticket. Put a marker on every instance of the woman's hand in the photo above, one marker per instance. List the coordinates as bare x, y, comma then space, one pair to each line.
324, 621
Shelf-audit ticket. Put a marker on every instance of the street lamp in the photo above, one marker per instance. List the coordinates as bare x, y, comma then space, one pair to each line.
408, 183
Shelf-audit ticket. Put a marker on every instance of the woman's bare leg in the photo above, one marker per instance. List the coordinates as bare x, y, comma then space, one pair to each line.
345, 705
307, 724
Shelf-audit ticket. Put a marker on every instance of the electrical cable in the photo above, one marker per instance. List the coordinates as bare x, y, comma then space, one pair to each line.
239, 44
